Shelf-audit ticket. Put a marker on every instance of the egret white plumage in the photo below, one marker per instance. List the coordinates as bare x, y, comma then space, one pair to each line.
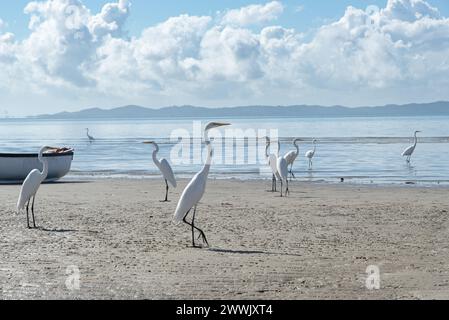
310, 154
194, 191
165, 168
91, 139
292, 156
31, 185
410, 150
282, 168
272, 162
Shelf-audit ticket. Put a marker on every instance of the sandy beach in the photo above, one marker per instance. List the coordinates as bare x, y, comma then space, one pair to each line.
316, 244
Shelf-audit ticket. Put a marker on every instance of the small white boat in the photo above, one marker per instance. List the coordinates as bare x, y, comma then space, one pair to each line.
15, 167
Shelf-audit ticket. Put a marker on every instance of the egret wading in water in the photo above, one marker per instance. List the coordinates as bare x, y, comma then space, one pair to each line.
310, 154
91, 139
409, 151
292, 156
282, 168
194, 191
31, 185
164, 167
272, 163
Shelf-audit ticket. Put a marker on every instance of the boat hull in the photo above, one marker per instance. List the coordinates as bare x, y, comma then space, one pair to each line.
14, 168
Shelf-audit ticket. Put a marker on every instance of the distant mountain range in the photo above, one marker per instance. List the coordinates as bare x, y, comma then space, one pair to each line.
302, 111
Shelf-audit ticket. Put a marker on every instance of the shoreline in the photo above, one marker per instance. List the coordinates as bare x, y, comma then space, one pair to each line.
186, 177
315, 244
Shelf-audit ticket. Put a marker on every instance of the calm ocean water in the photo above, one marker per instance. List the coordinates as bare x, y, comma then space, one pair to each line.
362, 150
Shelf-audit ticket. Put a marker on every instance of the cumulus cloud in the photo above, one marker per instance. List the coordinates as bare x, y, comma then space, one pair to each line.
110, 20
381, 50
366, 54
6, 48
253, 14
410, 10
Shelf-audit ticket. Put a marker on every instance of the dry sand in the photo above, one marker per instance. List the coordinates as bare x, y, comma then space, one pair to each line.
315, 244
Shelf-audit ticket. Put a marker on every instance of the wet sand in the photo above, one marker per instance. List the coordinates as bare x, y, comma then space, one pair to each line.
315, 244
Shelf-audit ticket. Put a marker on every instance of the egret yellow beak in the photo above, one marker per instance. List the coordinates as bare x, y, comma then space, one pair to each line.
148, 142
222, 124
213, 125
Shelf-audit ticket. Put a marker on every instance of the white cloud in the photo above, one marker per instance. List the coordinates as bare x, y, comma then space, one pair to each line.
409, 10
353, 51
72, 56
7, 48
110, 20
253, 14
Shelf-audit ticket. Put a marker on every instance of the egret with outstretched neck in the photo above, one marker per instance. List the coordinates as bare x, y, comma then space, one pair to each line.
91, 139
410, 150
165, 168
195, 190
272, 162
310, 154
292, 156
31, 185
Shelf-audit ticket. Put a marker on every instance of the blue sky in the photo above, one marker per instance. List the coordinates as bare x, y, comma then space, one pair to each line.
220, 53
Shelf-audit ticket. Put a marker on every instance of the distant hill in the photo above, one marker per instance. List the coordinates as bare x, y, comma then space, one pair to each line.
301, 111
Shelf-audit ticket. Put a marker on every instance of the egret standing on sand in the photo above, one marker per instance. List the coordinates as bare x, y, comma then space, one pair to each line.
310, 154
91, 139
409, 151
194, 191
291, 157
164, 168
31, 186
282, 168
272, 162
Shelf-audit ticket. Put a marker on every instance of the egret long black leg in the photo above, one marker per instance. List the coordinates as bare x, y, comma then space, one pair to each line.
189, 224
32, 211
202, 235
166, 191
292, 175
287, 192
28, 216
282, 186
195, 228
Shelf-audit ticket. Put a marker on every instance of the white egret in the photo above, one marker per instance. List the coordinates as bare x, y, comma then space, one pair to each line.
31, 185
310, 154
165, 168
292, 156
282, 169
194, 191
272, 162
409, 151
91, 139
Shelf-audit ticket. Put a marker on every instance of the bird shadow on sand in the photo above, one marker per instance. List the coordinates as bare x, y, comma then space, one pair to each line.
57, 230
250, 252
